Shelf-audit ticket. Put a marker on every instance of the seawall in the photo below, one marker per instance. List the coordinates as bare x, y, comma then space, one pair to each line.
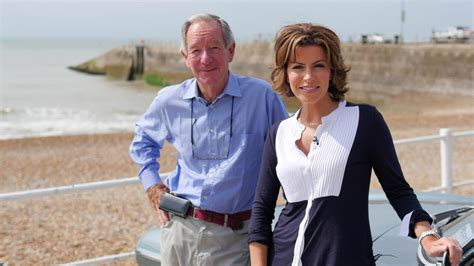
390, 69
387, 68
423, 68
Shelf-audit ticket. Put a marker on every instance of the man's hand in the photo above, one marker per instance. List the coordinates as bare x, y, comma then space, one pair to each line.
154, 194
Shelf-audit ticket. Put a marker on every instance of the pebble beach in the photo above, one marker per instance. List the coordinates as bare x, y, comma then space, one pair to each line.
66, 228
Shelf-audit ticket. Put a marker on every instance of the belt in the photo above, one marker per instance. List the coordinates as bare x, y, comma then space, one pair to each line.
234, 221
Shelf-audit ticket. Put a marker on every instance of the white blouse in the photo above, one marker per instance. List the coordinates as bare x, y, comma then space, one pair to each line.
319, 174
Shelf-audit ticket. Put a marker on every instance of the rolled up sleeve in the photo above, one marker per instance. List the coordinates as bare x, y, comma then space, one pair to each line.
150, 134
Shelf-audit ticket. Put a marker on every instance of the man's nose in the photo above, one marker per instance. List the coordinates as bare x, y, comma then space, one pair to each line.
206, 57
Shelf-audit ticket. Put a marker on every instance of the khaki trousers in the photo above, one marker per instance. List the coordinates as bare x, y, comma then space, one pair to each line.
194, 242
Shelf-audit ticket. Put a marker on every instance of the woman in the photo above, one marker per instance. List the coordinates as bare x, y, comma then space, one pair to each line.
322, 157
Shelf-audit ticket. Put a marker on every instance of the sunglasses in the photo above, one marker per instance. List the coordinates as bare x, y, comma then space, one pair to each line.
202, 152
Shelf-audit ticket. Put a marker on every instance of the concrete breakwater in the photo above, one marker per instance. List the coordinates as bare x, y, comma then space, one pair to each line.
387, 69
132, 62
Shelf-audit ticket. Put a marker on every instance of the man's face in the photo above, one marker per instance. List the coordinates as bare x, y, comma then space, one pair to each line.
207, 56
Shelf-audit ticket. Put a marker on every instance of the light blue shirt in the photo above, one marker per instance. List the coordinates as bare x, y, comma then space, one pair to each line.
219, 172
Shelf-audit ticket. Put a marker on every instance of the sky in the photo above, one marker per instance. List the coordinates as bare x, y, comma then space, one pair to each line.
161, 20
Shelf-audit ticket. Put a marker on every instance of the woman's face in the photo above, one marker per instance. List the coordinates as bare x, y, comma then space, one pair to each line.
309, 74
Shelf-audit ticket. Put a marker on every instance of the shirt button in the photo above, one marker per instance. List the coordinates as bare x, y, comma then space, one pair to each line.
211, 130
204, 197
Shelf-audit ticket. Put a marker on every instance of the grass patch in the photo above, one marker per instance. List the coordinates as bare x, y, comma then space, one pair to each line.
156, 80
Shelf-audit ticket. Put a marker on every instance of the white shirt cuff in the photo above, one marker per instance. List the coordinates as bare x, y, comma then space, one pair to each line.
405, 225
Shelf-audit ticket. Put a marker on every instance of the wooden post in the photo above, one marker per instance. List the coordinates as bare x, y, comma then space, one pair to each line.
138, 62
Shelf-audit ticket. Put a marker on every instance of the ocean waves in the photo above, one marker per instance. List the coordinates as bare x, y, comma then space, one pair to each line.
34, 122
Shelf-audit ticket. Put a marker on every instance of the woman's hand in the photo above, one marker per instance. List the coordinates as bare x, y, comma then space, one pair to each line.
435, 247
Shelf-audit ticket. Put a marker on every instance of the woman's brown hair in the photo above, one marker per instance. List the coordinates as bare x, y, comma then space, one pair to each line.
304, 34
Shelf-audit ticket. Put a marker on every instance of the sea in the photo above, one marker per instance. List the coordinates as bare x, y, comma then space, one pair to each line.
40, 96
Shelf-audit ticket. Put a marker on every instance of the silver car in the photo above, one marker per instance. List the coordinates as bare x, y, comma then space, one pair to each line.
453, 216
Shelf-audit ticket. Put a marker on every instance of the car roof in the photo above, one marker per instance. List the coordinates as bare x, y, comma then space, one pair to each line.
384, 223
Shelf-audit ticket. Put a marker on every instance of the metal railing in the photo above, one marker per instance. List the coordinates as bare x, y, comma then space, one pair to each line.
446, 152
446, 157
102, 260
36, 193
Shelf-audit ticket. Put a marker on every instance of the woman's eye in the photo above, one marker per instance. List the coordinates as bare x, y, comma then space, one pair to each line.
319, 66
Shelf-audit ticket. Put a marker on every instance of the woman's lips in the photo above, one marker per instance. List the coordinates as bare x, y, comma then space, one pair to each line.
309, 88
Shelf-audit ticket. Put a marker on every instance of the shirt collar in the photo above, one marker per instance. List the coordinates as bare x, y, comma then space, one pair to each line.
232, 88
334, 114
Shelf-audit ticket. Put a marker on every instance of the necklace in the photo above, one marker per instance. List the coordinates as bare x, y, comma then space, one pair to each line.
313, 125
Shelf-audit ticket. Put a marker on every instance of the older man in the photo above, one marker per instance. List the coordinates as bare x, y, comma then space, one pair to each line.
217, 121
